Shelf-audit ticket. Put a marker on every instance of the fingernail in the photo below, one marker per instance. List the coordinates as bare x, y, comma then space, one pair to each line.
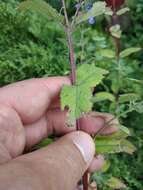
99, 121
85, 145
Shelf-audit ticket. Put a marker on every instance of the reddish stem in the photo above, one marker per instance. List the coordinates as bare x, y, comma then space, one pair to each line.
73, 74
85, 181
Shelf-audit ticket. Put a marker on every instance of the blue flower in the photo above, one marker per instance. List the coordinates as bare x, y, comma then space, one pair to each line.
77, 6
91, 20
88, 6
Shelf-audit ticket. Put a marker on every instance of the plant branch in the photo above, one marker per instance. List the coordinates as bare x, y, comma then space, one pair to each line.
76, 13
70, 45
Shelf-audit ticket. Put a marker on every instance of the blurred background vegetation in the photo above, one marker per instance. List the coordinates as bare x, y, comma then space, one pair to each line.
30, 46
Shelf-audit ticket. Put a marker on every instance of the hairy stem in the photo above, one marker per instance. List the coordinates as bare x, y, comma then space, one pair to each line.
73, 71
70, 45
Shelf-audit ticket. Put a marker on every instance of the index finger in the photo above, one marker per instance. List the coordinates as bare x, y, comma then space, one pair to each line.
31, 98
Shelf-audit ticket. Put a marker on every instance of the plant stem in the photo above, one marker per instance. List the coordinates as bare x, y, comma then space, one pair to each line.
73, 72
85, 181
70, 45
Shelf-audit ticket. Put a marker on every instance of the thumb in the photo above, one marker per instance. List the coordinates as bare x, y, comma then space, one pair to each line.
62, 164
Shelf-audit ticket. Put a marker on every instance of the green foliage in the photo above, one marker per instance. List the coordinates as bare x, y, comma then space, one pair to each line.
114, 143
116, 31
31, 46
102, 96
41, 7
78, 98
98, 8
129, 51
123, 11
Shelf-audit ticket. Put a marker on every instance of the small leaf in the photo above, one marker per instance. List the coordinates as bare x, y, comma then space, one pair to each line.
97, 9
127, 147
107, 53
106, 166
129, 51
78, 98
120, 134
123, 11
111, 146
41, 7
136, 80
44, 143
107, 146
124, 131
128, 97
115, 183
116, 31
114, 143
102, 96
138, 107
108, 11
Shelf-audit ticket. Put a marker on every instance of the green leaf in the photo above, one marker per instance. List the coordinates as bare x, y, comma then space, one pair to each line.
102, 96
116, 31
41, 7
129, 51
108, 11
123, 11
107, 146
114, 143
128, 97
44, 143
136, 80
138, 107
115, 183
127, 147
89, 75
78, 98
98, 8
111, 146
107, 53
106, 166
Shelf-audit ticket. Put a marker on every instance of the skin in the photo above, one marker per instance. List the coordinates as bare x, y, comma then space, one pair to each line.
29, 112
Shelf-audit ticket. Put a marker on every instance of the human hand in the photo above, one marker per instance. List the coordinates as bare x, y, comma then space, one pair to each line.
30, 111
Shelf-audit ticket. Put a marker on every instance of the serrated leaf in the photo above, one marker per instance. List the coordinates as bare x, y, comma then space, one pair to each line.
129, 51
116, 31
90, 75
98, 8
107, 53
128, 97
115, 183
123, 11
41, 7
78, 98
102, 96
